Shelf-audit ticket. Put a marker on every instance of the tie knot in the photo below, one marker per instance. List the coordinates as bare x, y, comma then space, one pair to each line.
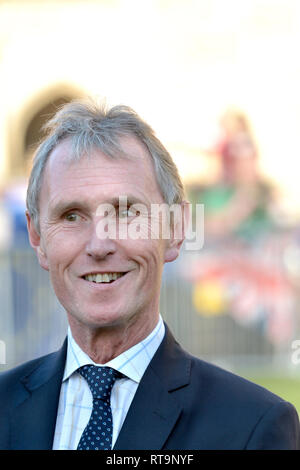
100, 380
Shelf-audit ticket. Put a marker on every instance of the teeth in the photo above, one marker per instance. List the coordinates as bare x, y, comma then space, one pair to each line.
104, 277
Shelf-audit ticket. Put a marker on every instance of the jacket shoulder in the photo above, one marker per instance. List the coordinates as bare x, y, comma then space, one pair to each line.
11, 380
17, 372
209, 381
223, 383
244, 414
11, 377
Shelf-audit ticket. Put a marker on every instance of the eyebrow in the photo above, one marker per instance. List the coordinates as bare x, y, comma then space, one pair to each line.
62, 207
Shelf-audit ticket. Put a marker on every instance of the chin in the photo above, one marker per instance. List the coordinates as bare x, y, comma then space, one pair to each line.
100, 320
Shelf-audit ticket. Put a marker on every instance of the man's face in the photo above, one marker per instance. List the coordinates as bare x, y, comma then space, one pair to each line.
78, 260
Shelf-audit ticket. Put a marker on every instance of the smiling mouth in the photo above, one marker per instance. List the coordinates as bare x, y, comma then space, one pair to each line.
99, 278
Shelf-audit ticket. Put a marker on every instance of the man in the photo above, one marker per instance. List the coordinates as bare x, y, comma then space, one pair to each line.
120, 380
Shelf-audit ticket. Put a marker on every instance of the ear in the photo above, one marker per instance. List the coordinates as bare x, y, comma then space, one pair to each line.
178, 229
36, 242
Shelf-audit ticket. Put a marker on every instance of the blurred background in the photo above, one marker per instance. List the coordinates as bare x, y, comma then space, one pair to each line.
219, 82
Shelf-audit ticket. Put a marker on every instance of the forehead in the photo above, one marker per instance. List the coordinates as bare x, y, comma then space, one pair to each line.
98, 172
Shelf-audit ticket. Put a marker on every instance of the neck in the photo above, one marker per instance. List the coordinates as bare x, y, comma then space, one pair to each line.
103, 344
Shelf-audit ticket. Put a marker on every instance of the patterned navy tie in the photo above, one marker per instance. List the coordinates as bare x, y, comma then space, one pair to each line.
98, 433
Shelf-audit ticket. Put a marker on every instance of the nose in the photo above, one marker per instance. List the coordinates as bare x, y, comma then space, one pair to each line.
100, 245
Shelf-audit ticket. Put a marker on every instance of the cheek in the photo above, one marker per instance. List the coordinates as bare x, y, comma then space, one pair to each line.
62, 250
148, 255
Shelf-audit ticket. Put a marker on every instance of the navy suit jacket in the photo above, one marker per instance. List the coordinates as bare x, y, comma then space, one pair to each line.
182, 403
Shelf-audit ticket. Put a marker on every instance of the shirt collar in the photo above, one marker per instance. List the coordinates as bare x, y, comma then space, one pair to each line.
132, 363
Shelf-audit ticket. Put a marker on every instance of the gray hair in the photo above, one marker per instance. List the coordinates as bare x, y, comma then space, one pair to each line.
91, 125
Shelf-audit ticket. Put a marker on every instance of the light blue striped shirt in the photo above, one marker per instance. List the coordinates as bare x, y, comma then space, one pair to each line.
75, 401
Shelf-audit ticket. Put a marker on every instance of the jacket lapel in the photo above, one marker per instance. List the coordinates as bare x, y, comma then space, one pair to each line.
33, 420
155, 408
